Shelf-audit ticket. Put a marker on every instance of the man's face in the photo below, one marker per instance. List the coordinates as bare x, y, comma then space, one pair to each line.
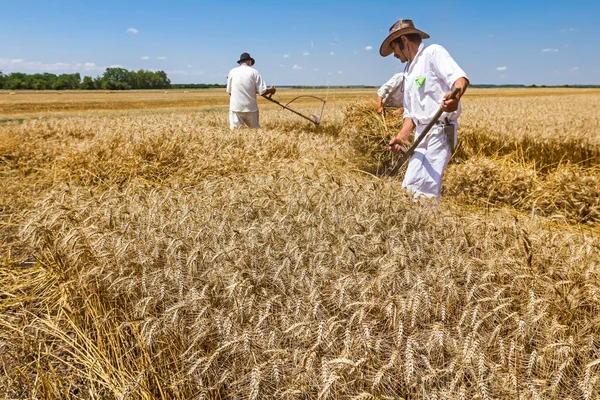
398, 53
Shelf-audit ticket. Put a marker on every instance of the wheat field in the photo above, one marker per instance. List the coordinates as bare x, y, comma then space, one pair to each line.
148, 252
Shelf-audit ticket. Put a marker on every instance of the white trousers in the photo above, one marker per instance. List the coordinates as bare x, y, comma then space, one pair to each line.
237, 119
427, 165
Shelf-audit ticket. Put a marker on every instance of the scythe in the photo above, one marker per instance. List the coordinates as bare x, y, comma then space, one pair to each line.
313, 118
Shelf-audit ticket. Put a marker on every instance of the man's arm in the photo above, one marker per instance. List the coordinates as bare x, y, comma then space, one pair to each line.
228, 86
379, 104
451, 105
408, 126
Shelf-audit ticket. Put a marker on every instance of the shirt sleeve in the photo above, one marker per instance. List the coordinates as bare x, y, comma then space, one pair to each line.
228, 89
388, 87
261, 86
446, 67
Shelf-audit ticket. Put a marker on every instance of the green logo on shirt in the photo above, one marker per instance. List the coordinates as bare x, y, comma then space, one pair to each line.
420, 81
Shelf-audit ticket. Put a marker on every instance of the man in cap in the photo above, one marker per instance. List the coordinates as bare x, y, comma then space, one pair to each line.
430, 76
391, 94
243, 83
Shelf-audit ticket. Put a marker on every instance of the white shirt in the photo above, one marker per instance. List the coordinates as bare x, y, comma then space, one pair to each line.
243, 83
428, 77
390, 91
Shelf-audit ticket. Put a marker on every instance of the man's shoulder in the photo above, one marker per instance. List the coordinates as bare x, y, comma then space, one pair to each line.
245, 70
395, 80
434, 47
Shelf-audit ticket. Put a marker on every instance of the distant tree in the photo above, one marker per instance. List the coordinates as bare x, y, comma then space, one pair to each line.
112, 79
163, 81
88, 83
99, 82
116, 79
196, 85
16, 81
39, 84
67, 82
50, 79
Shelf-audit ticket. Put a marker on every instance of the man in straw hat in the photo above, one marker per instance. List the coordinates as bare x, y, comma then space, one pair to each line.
430, 76
243, 83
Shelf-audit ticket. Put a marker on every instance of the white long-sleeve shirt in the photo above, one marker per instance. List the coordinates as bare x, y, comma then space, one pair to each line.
391, 92
428, 77
243, 83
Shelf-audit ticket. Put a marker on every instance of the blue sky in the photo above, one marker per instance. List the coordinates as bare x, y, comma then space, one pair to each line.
303, 42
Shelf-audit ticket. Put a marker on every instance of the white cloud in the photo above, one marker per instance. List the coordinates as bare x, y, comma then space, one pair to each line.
145, 58
306, 53
21, 65
189, 66
550, 51
574, 69
332, 54
569, 30
161, 58
369, 48
132, 31
296, 67
316, 69
57, 66
491, 35
340, 72
501, 68
286, 56
5, 62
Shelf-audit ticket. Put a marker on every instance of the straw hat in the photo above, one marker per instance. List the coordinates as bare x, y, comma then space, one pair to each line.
245, 57
400, 28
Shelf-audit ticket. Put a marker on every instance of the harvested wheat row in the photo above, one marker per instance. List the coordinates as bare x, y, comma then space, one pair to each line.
569, 192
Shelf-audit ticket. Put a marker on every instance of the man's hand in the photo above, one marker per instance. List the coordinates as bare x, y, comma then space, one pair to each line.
398, 144
270, 91
398, 111
451, 105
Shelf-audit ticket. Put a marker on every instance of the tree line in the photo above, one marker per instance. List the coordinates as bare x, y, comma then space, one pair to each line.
111, 79
197, 86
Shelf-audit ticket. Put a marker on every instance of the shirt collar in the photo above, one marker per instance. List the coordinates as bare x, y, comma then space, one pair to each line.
411, 63
419, 51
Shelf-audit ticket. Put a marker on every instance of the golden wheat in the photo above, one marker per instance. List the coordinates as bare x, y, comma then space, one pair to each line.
160, 255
